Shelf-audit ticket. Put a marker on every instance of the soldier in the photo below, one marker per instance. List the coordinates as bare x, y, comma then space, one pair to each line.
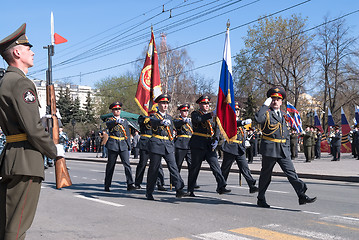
203, 144
22, 162
308, 143
293, 143
235, 150
161, 145
118, 143
356, 140
146, 134
317, 143
184, 131
336, 141
275, 147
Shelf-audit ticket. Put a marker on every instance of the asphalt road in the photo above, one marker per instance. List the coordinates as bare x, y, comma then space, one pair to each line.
85, 211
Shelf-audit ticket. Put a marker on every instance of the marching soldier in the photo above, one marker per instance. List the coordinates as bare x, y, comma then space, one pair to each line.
22, 162
236, 151
161, 145
203, 144
146, 134
336, 141
118, 143
184, 131
317, 143
275, 147
356, 140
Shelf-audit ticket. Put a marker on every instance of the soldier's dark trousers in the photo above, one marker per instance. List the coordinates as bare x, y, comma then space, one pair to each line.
287, 167
228, 160
155, 163
308, 153
19, 196
110, 166
336, 153
317, 151
181, 155
198, 156
141, 166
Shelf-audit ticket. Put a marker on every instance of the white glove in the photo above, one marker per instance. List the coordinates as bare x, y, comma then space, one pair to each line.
303, 132
268, 101
60, 150
214, 145
247, 121
120, 120
166, 122
187, 120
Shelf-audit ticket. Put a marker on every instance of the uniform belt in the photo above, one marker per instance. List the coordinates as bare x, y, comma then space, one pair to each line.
146, 135
274, 139
185, 136
160, 137
16, 138
235, 141
202, 134
117, 138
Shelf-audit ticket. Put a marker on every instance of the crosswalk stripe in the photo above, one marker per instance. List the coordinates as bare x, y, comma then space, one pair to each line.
340, 219
266, 234
304, 233
100, 201
337, 225
356, 215
220, 236
181, 238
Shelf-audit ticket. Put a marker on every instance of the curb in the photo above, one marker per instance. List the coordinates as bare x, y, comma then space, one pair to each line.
255, 172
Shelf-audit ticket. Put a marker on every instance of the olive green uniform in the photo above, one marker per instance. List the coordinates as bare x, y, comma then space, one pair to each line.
308, 144
21, 162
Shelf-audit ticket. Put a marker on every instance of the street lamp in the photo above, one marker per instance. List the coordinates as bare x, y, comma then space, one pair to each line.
73, 122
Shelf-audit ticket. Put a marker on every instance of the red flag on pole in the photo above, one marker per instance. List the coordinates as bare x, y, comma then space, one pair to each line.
149, 84
59, 39
346, 145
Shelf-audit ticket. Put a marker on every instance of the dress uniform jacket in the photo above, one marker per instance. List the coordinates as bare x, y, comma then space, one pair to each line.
275, 147
236, 147
115, 131
145, 131
336, 143
19, 114
184, 132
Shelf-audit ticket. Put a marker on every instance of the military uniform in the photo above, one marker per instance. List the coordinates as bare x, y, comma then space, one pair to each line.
235, 151
293, 145
308, 144
317, 144
160, 145
275, 149
146, 134
118, 143
202, 145
336, 141
21, 162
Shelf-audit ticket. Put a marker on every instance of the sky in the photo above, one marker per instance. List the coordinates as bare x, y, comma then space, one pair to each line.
106, 37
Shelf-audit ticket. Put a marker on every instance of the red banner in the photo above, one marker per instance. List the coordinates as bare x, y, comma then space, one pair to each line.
149, 84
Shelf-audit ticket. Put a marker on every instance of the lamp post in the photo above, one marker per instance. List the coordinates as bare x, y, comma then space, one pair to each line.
73, 122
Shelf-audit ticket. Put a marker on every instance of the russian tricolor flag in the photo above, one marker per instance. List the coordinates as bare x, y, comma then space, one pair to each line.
297, 120
226, 114
330, 119
346, 145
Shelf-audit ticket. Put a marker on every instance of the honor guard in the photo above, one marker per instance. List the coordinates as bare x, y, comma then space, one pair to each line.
203, 144
336, 141
146, 134
118, 143
275, 147
162, 145
235, 150
318, 141
308, 143
184, 131
22, 162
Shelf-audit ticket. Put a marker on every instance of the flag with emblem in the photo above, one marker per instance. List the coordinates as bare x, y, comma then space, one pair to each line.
149, 84
346, 145
226, 114
324, 145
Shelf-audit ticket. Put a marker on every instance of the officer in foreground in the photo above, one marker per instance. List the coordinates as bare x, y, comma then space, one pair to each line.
162, 145
118, 143
22, 162
275, 147
203, 146
236, 151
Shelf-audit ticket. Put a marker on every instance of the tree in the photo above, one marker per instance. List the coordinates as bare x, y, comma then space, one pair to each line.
65, 105
276, 53
338, 63
88, 109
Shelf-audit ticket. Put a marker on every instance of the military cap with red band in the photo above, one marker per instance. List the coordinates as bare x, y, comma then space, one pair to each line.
16, 38
183, 107
203, 99
116, 105
237, 106
163, 98
276, 92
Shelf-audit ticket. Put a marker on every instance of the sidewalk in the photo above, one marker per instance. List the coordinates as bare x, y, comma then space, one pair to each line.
347, 169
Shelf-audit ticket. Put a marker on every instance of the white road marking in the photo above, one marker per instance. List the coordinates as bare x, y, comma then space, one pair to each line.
340, 219
315, 213
94, 179
100, 201
220, 236
304, 233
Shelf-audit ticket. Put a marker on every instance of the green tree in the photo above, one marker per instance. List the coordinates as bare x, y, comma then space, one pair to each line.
88, 111
65, 105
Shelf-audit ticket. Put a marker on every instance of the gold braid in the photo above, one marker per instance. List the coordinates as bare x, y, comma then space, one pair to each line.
271, 127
